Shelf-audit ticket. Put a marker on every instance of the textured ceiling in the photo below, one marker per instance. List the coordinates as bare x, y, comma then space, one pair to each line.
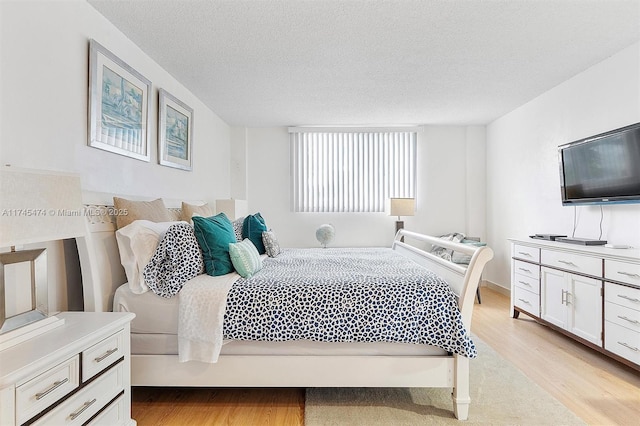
280, 63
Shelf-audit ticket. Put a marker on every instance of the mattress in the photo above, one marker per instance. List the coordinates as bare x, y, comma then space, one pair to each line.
154, 314
154, 332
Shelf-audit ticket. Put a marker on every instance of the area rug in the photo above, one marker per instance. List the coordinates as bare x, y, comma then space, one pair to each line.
500, 395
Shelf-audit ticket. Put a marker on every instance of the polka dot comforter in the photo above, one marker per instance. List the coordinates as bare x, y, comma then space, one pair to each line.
346, 295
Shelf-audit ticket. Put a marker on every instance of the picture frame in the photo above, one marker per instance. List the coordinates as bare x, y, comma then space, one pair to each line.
118, 105
175, 132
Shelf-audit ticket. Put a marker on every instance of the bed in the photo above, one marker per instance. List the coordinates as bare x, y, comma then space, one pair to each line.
246, 363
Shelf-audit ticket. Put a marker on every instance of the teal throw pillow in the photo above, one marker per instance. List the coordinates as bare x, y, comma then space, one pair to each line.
245, 258
252, 228
214, 234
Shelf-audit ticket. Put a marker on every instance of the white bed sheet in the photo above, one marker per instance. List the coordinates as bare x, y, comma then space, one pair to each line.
154, 331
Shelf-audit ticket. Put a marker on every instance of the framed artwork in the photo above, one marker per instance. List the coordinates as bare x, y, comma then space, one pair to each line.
175, 132
118, 105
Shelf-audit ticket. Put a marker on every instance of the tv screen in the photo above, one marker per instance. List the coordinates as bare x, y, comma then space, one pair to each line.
602, 169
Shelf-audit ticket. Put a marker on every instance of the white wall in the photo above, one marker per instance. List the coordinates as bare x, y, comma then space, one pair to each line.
44, 67
476, 185
523, 184
450, 176
239, 163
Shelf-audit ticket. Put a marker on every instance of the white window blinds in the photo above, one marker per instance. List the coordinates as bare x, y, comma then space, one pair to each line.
351, 171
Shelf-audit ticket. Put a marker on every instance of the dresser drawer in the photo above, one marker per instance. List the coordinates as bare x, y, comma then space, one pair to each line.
622, 341
527, 283
623, 316
532, 254
41, 391
625, 296
101, 355
114, 414
622, 271
526, 269
87, 402
527, 301
572, 262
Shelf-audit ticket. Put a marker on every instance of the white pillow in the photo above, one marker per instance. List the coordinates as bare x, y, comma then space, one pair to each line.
137, 242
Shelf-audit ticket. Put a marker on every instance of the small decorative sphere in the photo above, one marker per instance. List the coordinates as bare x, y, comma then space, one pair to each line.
325, 234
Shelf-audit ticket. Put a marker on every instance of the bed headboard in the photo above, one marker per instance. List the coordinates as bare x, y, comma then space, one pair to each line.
102, 272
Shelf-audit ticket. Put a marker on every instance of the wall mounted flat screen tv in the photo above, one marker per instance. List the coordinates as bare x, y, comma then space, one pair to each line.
602, 169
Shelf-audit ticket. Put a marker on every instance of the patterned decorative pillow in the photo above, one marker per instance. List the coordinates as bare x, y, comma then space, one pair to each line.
237, 228
443, 252
177, 259
271, 243
245, 258
464, 259
460, 258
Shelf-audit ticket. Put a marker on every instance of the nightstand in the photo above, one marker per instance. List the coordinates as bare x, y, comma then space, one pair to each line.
78, 373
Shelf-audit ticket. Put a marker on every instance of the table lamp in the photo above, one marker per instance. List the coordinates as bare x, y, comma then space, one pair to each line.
35, 206
401, 207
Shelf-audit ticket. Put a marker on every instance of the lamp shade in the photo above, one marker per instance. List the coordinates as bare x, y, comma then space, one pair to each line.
233, 208
402, 206
38, 206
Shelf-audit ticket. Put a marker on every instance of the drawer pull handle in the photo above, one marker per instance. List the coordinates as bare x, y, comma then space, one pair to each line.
525, 283
524, 253
53, 387
525, 270
629, 319
628, 346
524, 301
629, 274
106, 355
565, 297
566, 262
80, 410
624, 296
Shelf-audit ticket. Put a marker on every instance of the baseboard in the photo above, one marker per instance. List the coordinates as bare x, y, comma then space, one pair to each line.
495, 287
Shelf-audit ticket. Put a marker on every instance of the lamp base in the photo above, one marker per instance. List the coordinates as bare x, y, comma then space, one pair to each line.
399, 226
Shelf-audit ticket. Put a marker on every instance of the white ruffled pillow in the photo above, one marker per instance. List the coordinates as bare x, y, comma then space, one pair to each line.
137, 242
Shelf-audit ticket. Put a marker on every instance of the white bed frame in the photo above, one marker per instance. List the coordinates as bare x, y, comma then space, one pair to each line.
102, 274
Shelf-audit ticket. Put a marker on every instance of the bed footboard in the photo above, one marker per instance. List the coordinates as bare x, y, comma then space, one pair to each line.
463, 281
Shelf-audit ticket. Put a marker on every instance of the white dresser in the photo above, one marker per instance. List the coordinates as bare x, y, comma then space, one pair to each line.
75, 374
590, 293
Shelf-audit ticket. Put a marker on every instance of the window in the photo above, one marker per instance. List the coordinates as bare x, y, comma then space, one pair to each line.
351, 170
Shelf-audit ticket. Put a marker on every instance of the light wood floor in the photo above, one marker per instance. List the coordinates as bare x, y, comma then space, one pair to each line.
599, 390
